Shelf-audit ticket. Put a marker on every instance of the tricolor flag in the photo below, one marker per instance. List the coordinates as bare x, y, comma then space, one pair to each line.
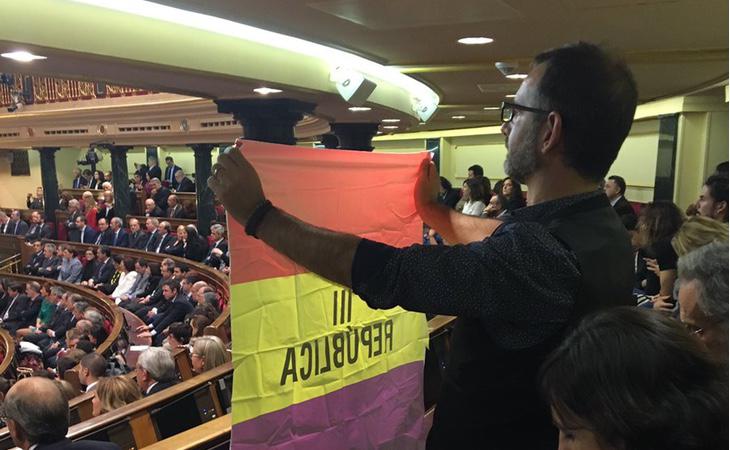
314, 366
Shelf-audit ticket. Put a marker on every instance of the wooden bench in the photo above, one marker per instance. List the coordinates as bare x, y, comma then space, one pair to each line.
174, 223
215, 435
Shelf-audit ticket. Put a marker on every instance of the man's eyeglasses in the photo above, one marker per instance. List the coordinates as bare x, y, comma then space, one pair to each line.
508, 110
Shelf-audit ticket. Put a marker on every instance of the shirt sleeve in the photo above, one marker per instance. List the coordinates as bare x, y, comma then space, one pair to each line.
666, 256
520, 283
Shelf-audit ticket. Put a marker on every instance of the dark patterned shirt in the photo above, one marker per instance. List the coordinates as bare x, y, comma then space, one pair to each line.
521, 282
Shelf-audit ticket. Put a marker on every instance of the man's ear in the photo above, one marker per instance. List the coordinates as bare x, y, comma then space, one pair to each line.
17, 433
553, 132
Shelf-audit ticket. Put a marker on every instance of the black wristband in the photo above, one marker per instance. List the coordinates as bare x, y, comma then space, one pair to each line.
253, 222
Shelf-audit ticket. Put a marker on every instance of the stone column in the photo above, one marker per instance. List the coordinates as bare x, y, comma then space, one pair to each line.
49, 181
267, 120
120, 181
355, 136
203, 194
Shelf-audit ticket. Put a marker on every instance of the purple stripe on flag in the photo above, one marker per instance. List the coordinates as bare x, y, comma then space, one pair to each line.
384, 412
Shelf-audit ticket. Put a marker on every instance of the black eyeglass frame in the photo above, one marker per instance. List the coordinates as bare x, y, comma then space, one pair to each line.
508, 106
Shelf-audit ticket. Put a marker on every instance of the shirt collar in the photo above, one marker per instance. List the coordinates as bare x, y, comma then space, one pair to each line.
614, 201
150, 388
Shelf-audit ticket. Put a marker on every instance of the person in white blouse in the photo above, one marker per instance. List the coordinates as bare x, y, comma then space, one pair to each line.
473, 193
126, 280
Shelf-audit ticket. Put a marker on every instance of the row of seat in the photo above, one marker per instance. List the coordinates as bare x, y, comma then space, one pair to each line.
187, 199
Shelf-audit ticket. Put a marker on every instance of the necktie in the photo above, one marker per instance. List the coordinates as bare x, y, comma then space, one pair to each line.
16, 227
160, 244
32, 231
7, 312
98, 238
82, 234
149, 241
116, 235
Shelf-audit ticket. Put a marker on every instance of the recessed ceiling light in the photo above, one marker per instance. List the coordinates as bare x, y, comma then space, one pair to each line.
390, 127
22, 56
475, 40
267, 91
491, 108
516, 76
459, 117
359, 108
510, 96
390, 120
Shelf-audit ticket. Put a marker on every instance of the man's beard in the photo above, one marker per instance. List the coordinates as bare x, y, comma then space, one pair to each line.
524, 160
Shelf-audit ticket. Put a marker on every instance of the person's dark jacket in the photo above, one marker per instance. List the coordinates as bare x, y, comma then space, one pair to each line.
176, 212
104, 238
91, 268
450, 198
38, 232
175, 312
50, 267
137, 239
36, 261
105, 212
150, 241
175, 248
119, 238
160, 386
196, 251
104, 272
72, 230
160, 198
154, 172
626, 213
15, 313
21, 230
163, 243
88, 234
186, 185
68, 444
156, 212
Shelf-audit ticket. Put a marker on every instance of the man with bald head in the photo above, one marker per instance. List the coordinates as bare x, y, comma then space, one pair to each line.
36, 413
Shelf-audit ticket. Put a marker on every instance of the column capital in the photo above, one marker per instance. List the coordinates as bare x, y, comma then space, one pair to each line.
202, 147
267, 120
355, 135
47, 150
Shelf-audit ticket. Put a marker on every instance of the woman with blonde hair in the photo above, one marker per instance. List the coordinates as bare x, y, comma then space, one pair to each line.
90, 209
698, 231
208, 352
114, 392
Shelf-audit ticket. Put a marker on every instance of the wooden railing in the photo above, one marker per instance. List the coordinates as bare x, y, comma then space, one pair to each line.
13, 264
7, 346
215, 434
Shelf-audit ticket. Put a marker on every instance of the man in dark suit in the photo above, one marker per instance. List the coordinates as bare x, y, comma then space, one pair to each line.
155, 370
79, 182
38, 229
160, 194
150, 242
17, 225
151, 209
137, 237
51, 262
217, 231
85, 234
170, 172
154, 170
176, 311
105, 234
184, 184
36, 413
120, 238
74, 211
4, 223
174, 208
106, 267
165, 237
12, 317
36, 259
615, 190
105, 210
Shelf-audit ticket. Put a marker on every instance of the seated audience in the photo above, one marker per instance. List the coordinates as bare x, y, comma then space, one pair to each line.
35, 201
198, 322
195, 247
71, 267
703, 296
208, 352
447, 194
150, 242
713, 201
36, 259
79, 182
137, 237
91, 266
119, 237
658, 222
176, 246
51, 264
475, 196
109, 287
112, 393
217, 234
165, 237
51, 296
628, 378
105, 234
698, 231
184, 184
155, 370
36, 414
151, 209
96, 180
83, 233
146, 307
4, 223
512, 191
74, 211
178, 335
159, 194
38, 228
173, 310
174, 208
92, 368
105, 268
496, 207
126, 281
13, 315
17, 226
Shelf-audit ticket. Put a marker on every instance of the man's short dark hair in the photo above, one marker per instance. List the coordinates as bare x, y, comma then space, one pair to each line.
717, 184
81, 218
477, 170
106, 251
620, 182
168, 158
722, 168
95, 363
595, 94
172, 284
142, 263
